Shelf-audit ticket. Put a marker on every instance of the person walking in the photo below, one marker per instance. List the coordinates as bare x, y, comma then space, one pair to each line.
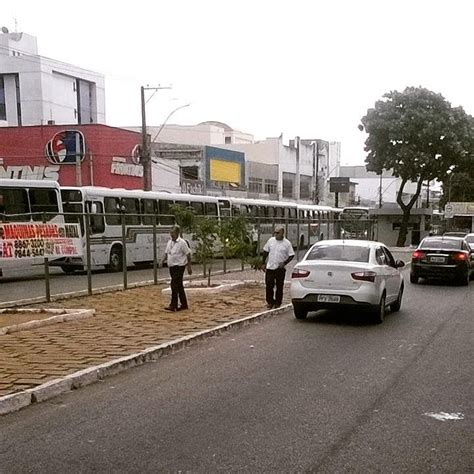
178, 257
277, 253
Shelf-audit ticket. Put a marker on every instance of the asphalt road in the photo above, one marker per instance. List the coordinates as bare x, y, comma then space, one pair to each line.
329, 394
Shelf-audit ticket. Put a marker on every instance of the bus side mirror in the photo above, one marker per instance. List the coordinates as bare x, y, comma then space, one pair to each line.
399, 264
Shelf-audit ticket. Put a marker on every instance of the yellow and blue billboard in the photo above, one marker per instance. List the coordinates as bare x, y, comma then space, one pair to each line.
224, 166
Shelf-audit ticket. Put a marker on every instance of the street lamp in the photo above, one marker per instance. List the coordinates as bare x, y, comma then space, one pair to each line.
167, 118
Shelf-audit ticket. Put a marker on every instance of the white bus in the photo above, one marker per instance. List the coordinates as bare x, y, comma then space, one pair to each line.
106, 207
355, 223
27, 202
305, 223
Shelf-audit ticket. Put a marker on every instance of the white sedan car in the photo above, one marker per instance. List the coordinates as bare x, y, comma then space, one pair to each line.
347, 273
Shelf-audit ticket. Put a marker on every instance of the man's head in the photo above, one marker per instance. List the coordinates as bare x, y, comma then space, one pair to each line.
279, 232
174, 232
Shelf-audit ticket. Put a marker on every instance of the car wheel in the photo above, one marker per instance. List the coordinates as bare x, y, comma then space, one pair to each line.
463, 280
413, 279
300, 311
379, 313
116, 260
398, 304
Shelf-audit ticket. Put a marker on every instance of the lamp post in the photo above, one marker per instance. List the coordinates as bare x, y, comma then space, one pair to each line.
145, 153
167, 118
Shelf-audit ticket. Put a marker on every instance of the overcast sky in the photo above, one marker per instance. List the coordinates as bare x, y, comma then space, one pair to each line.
307, 68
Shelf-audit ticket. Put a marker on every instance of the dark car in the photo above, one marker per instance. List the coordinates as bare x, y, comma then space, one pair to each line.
442, 257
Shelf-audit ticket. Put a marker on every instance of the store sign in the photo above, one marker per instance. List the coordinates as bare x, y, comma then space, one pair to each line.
126, 169
192, 186
19, 241
30, 172
66, 147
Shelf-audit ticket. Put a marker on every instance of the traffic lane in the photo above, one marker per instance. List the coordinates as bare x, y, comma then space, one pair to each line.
281, 394
34, 286
406, 423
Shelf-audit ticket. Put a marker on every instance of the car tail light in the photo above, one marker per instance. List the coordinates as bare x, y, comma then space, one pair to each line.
417, 255
460, 256
297, 273
364, 276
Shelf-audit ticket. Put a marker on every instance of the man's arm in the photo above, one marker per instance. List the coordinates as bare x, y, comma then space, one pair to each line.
190, 267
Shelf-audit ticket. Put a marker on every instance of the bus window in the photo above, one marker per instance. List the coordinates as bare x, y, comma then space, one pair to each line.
224, 208
131, 208
112, 207
293, 213
44, 202
270, 213
164, 207
211, 209
148, 211
14, 201
279, 212
198, 208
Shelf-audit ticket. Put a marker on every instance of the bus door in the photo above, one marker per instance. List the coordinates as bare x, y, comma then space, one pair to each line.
98, 245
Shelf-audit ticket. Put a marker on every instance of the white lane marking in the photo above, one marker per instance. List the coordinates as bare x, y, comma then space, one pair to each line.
443, 416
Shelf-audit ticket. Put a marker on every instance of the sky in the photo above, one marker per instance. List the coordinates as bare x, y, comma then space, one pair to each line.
301, 68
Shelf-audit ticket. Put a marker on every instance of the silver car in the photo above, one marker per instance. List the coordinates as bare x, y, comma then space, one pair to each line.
347, 273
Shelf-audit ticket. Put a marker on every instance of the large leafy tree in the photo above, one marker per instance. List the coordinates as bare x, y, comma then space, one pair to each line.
419, 136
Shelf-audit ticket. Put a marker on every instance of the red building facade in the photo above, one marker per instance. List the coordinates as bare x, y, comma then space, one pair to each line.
84, 155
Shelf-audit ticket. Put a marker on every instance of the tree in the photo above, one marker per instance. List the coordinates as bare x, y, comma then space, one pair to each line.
236, 238
419, 136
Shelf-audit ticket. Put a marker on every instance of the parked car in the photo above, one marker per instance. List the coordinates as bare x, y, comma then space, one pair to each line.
469, 238
347, 273
443, 258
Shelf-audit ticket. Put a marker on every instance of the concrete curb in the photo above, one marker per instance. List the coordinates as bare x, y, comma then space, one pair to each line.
63, 316
17, 401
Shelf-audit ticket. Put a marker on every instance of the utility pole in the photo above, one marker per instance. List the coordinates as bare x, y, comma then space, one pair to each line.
380, 190
145, 158
297, 144
317, 173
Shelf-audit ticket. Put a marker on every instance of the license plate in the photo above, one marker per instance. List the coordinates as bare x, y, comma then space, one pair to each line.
328, 299
437, 259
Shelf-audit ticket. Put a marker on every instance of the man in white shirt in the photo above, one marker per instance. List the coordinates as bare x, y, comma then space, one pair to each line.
277, 253
177, 256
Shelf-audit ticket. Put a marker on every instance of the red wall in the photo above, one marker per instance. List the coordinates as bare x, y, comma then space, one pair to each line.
22, 155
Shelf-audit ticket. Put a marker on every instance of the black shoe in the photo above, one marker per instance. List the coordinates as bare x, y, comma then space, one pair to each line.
276, 305
269, 306
170, 308
182, 308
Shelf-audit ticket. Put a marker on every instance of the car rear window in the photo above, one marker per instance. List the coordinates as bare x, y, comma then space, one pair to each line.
470, 239
343, 253
441, 244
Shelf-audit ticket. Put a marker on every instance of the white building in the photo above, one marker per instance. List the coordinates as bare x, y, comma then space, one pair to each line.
36, 90
368, 186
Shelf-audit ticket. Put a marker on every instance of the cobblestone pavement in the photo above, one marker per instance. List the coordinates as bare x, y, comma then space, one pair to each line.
126, 322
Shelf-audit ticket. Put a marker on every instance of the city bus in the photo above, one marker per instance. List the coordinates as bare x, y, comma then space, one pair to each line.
26, 202
355, 223
305, 224
139, 209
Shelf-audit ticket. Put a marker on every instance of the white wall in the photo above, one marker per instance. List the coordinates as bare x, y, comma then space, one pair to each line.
46, 89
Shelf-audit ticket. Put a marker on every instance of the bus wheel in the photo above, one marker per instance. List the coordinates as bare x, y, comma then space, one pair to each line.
68, 269
116, 260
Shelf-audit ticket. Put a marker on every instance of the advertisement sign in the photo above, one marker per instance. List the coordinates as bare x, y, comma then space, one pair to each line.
65, 147
19, 241
339, 185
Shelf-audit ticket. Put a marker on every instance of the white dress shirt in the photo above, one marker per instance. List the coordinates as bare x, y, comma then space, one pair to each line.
177, 252
278, 252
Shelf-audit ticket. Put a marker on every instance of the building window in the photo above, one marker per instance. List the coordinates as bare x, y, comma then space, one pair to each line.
3, 110
189, 172
271, 186
227, 140
255, 185
288, 185
305, 187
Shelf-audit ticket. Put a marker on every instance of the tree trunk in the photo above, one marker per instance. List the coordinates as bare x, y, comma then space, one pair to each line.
402, 234
406, 208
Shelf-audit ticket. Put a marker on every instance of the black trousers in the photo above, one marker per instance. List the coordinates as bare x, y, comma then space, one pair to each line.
177, 288
274, 278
